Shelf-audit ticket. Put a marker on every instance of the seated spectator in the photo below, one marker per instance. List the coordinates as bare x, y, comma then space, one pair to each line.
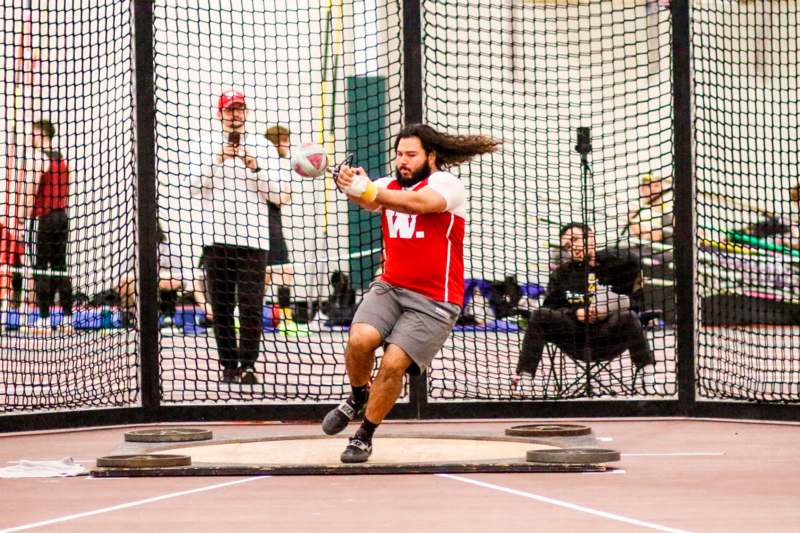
587, 309
171, 281
651, 224
791, 236
652, 220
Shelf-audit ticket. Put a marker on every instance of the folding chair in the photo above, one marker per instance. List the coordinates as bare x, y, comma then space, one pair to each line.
587, 379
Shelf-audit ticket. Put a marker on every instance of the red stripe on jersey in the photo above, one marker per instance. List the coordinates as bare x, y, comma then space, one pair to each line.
424, 253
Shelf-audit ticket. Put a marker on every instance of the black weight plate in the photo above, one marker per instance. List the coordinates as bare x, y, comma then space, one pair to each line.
548, 430
573, 456
168, 435
143, 461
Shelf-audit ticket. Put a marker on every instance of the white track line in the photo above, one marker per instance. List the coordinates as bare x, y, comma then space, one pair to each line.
606, 473
561, 503
131, 504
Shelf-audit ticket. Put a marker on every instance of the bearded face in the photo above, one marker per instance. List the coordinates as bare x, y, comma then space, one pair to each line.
411, 162
417, 175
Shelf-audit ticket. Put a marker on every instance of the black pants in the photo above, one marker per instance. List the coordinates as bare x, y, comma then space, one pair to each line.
51, 253
236, 274
16, 285
167, 302
600, 341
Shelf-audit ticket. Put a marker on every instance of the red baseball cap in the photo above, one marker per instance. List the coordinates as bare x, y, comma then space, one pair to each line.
231, 96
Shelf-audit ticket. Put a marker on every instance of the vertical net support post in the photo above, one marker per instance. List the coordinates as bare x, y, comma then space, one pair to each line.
412, 95
146, 202
684, 230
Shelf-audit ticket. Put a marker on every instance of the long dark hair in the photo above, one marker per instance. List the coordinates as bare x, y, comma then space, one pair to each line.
450, 150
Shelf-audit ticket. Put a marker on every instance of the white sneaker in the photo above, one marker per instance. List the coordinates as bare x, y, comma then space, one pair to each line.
37, 327
516, 385
169, 329
318, 322
65, 327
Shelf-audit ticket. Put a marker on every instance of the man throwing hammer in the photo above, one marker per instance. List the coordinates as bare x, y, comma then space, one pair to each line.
410, 310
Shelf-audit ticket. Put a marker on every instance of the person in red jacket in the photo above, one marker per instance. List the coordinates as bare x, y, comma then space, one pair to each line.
412, 307
47, 211
10, 251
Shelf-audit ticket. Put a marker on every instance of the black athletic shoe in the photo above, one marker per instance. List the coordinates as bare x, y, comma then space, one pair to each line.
357, 451
338, 418
248, 377
231, 375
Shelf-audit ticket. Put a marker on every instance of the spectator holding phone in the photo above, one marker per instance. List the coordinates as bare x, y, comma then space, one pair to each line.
239, 184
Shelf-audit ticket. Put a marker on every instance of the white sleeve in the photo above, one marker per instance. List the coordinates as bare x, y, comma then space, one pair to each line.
202, 167
450, 187
274, 183
273, 187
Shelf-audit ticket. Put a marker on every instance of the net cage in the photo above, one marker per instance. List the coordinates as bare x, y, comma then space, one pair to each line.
62, 242
748, 286
318, 72
535, 73
334, 74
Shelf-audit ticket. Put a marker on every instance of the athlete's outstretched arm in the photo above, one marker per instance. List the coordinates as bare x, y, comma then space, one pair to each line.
425, 200
362, 191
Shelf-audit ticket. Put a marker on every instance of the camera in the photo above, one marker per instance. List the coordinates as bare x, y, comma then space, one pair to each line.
584, 142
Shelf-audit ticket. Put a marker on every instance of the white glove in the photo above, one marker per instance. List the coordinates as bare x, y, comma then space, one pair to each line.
362, 187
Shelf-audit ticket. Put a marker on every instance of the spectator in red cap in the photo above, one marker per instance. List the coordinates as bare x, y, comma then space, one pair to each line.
241, 190
230, 97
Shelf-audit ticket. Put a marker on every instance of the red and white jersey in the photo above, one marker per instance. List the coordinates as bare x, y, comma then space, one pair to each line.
425, 253
53, 188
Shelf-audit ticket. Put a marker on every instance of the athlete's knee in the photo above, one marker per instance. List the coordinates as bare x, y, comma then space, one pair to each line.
394, 363
363, 338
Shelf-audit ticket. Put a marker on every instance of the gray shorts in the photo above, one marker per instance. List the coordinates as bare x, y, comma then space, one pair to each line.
414, 322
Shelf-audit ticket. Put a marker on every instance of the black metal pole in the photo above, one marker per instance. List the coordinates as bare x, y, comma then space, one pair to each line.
684, 230
146, 203
412, 61
587, 267
583, 146
413, 113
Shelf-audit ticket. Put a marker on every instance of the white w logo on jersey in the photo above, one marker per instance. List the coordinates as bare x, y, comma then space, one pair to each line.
402, 225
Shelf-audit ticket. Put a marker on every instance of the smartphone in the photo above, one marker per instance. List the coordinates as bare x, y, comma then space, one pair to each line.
233, 138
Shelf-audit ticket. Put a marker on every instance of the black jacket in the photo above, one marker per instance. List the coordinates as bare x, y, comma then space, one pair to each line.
568, 287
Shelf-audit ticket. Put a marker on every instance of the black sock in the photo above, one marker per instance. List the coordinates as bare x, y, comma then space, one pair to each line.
284, 296
360, 395
365, 432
